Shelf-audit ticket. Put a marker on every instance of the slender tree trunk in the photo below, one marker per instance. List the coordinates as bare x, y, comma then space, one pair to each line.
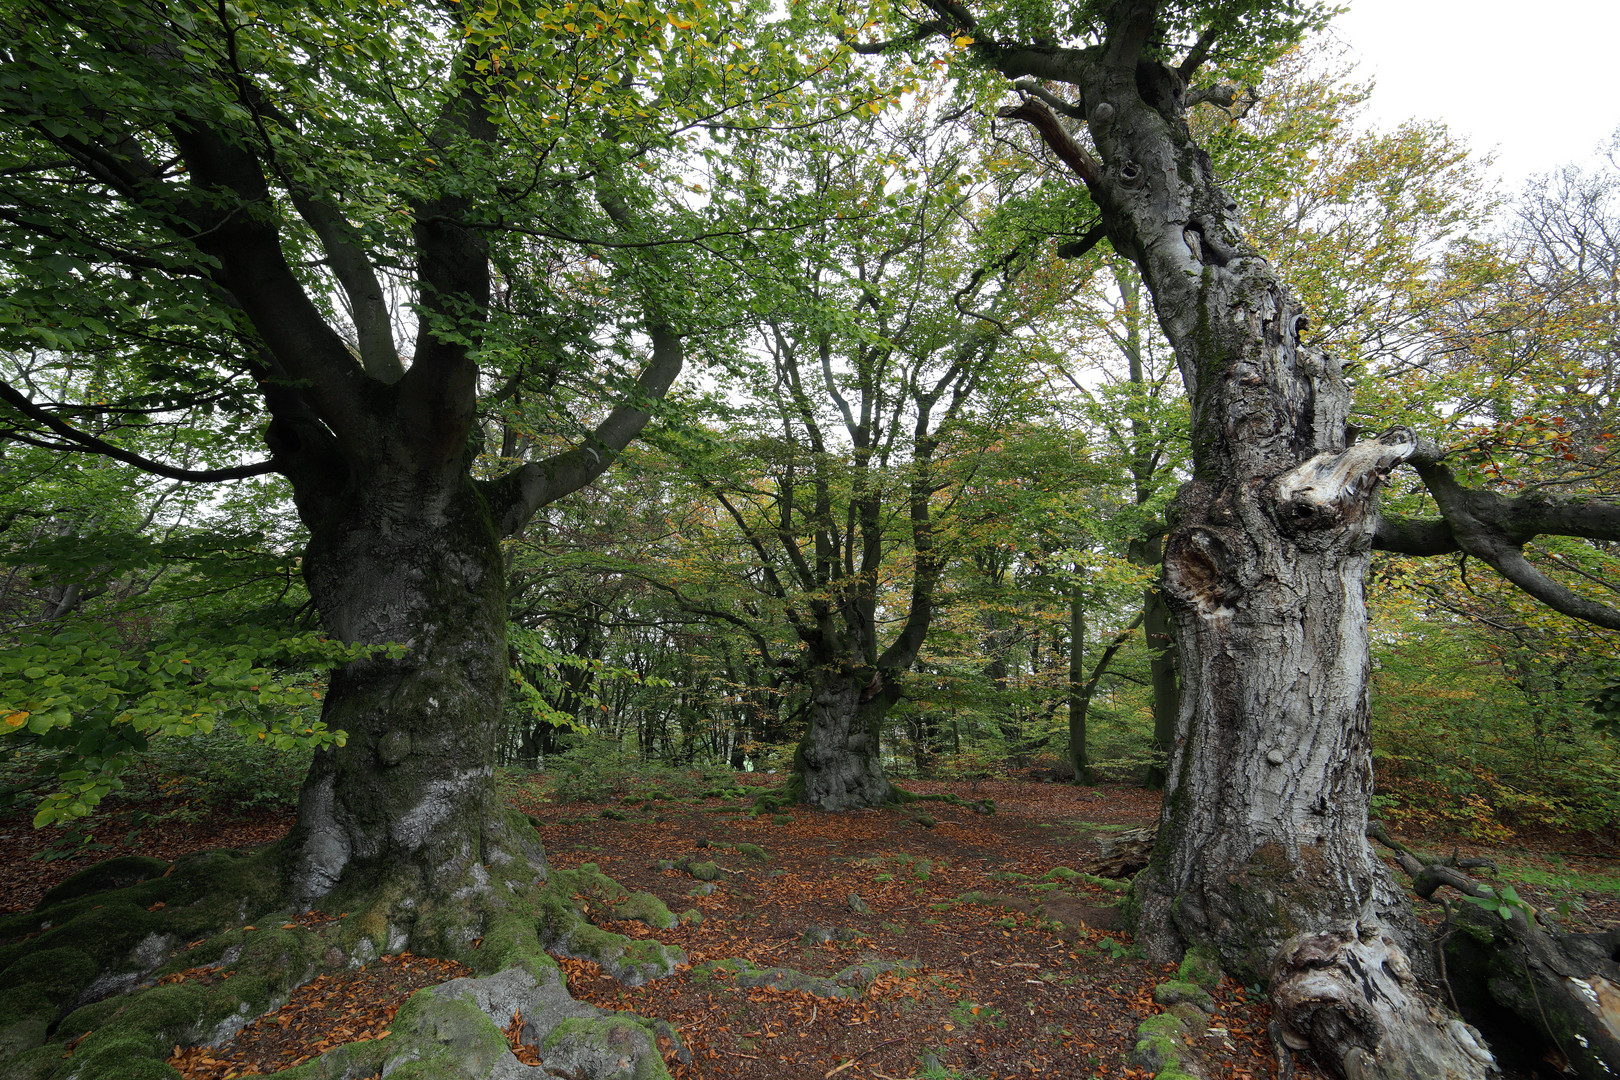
407, 805
1166, 684
1159, 631
1079, 699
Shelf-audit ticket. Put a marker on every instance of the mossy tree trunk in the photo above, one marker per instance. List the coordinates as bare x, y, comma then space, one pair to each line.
408, 799
380, 453
839, 761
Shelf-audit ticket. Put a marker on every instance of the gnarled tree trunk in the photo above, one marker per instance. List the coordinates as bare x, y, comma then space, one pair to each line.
408, 801
839, 761
1261, 841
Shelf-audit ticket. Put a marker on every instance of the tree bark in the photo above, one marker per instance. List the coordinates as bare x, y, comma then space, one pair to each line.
1079, 697
408, 800
838, 765
1159, 630
1261, 839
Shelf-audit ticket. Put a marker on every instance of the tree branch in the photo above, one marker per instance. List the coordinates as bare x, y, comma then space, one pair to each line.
1495, 530
515, 497
85, 441
1054, 135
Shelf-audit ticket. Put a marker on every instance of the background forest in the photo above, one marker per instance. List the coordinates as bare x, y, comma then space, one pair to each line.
910, 427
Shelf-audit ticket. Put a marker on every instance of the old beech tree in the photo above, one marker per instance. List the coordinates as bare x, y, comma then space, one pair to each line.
1262, 853
352, 220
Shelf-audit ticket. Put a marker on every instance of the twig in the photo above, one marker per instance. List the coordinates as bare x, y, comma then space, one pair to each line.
860, 1055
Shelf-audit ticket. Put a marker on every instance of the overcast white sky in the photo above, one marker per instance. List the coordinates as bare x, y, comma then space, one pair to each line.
1535, 81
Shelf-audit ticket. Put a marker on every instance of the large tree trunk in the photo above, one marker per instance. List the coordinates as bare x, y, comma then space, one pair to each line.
1262, 834
839, 761
1261, 839
408, 803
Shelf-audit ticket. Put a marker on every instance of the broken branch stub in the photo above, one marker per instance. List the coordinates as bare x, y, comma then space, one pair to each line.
1334, 489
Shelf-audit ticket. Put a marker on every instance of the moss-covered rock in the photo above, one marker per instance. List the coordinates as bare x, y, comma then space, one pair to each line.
647, 908
37, 987
1200, 966
1176, 993
122, 1058
445, 1036
703, 870
563, 928
119, 873
36, 1064
1156, 1053
603, 1049
1192, 1017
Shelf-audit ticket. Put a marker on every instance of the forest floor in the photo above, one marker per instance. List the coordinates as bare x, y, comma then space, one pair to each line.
1004, 975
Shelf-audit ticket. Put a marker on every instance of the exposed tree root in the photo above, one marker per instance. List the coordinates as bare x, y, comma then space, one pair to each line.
1508, 971
1351, 998
94, 988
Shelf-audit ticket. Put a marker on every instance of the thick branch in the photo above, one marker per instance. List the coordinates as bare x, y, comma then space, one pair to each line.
1494, 530
378, 354
1054, 135
515, 497
13, 397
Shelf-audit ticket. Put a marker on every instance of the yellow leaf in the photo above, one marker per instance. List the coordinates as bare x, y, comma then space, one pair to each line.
961, 40
17, 719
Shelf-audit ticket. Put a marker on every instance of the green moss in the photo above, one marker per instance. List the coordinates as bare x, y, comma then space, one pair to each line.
1176, 992
122, 1059
703, 871
752, 851
116, 873
88, 1018
1166, 1024
453, 1036
164, 1013
1200, 966
1157, 1053
352, 1059
36, 1064
57, 975
647, 908
615, 1048
511, 939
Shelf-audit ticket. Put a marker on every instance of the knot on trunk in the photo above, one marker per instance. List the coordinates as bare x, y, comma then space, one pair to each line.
1333, 490
1196, 574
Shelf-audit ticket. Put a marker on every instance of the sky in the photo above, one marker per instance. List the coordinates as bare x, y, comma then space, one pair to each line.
1533, 81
